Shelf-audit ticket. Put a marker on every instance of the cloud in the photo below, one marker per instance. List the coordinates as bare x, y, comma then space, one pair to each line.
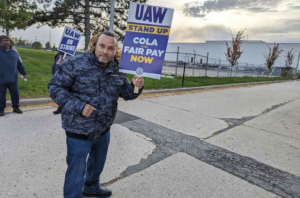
284, 30
283, 26
199, 34
294, 7
258, 9
197, 10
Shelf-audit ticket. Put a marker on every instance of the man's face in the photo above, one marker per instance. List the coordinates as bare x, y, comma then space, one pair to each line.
105, 48
5, 43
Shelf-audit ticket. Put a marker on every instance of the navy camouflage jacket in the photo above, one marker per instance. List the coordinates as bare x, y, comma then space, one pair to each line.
80, 80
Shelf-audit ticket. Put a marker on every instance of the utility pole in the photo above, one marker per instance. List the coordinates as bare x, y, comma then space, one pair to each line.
50, 36
87, 30
7, 30
112, 13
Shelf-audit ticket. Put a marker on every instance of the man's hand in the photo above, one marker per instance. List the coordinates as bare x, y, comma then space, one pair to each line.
138, 81
88, 110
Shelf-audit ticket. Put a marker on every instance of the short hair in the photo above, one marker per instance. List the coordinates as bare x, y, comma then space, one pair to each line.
3, 37
94, 40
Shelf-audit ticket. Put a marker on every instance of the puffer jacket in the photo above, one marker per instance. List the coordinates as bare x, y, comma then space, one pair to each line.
80, 80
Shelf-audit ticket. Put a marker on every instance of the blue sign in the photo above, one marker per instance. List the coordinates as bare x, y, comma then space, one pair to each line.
146, 39
69, 41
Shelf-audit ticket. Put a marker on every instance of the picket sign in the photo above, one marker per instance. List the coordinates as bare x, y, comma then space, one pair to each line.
146, 39
69, 41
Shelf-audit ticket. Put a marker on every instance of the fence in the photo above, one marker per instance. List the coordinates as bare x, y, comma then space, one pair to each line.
200, 65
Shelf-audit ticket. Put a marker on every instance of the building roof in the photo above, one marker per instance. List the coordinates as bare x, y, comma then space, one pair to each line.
244, 41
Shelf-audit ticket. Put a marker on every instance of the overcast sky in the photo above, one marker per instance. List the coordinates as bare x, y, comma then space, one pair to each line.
267, 20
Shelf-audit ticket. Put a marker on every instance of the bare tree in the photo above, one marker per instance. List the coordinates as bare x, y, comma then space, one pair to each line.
271, 57
234, 52
289, 58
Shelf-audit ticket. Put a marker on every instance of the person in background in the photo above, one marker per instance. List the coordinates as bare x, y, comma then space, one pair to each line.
10, 64
58, 59
87, 88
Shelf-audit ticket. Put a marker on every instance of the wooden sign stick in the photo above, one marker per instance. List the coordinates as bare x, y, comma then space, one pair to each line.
136, 90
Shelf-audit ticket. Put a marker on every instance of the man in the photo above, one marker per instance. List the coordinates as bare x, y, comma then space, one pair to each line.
87, 88
58, 59
10, 64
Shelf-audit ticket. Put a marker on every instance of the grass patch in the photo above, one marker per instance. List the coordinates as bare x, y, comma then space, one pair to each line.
39, 63
167, 83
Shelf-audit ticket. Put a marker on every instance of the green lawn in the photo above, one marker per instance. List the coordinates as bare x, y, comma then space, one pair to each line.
38, 65
39, 68
166, 83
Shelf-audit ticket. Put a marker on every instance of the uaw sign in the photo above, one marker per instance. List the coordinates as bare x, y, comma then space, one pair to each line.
69, 41
146, 39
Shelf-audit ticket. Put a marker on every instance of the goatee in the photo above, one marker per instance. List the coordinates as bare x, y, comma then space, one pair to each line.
5, 46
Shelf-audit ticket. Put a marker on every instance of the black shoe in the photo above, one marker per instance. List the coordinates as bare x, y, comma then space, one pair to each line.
102, 193
17, 110
1, 113
58, 111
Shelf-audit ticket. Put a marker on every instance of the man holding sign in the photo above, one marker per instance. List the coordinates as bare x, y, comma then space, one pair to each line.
87, 88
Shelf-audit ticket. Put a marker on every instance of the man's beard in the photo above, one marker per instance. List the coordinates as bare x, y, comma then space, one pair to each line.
103, 62
5, 45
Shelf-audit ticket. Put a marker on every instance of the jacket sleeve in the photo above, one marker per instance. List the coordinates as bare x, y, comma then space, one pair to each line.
60, 86
127, 92
20, 65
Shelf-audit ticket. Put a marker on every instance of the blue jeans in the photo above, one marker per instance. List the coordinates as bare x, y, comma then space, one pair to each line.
14, 94
82, 175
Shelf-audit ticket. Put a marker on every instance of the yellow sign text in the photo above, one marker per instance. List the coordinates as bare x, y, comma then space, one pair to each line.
141, 59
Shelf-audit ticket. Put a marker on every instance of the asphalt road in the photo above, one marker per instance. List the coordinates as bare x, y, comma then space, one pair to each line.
237, 142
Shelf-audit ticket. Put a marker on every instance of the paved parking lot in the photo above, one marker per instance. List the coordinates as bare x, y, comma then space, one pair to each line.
237, 142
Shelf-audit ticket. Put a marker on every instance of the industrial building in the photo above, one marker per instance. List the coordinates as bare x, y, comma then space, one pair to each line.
253, 53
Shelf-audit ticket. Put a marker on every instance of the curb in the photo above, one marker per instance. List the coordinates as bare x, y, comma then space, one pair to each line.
38, 101
35, 101
210, 87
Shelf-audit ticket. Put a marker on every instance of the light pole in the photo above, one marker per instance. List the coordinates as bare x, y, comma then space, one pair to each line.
112, 13
50, 36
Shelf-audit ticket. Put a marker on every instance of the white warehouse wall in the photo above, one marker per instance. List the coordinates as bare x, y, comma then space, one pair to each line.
253, 51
